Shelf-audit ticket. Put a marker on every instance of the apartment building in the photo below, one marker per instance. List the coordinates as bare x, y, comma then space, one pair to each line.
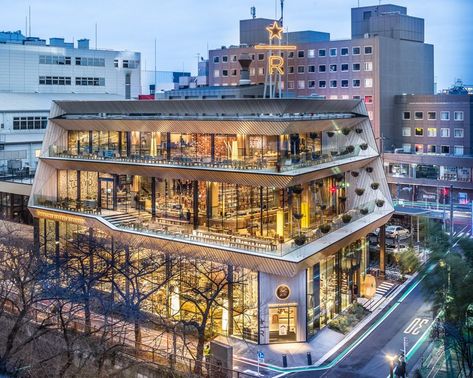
385, 56
280, 193
436, 151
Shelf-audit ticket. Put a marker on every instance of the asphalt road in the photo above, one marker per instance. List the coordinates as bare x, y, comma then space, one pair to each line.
410, 319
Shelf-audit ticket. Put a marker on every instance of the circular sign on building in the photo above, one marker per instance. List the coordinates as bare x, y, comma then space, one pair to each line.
283, 292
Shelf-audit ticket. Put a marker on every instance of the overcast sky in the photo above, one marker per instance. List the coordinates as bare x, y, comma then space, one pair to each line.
185, 28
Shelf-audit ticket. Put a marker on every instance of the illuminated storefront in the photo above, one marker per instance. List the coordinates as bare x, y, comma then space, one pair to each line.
276, 208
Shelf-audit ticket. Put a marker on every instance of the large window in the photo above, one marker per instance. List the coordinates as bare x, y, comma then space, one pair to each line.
97, 62
431, 116
29, 123
90, 81
368, 83
419, 131
431, 132
55, 59
418, 115
368, 66
445, 116
445, 132
458, 133
458, 116
344, 51
356, 50
333, 52
356, 83
356, 67
406, 131
458, 150
322, 52
322, 68
54, 80
368, 50
131, 63
406, 115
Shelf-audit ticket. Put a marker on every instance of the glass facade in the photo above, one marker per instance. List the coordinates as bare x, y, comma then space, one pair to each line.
333, 284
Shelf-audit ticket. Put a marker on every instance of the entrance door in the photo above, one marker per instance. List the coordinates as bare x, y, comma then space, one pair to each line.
106, 193
282, 324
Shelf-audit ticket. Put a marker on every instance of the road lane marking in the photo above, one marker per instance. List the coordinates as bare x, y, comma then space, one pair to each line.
415, 326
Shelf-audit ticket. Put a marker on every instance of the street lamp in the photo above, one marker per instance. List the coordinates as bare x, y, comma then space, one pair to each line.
391, 360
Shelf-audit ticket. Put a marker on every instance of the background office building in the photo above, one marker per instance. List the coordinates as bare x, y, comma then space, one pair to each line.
385, 56
436, 150
277, 194
32, 74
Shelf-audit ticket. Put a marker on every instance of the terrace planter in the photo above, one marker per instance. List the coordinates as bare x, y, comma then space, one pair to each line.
364, 146
374, 185
364, 211
346, 218
369, 169
358, 130
346, 131
355, 173
379, 203
339, 177
298, 216
359, 191
297, 189
330, 134
313, 136
350, 149
342, 199
300, 240
325, 228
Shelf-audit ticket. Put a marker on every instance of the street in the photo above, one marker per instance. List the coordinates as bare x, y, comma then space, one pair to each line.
409, 319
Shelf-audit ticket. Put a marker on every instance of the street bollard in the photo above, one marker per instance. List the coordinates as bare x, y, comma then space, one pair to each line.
309, 359
284, 360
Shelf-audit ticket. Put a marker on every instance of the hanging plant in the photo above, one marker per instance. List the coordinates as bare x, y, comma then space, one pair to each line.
346, 218
364, 146
323, 207
298, 216
300, 239
379, 202
342, 199
297, 189
313, 135
375, 185
358, 130
369, 169
320, 184
355, 173
339, 177
364, 211
350, 149
346, 131
330, 134
359, 191
325, 228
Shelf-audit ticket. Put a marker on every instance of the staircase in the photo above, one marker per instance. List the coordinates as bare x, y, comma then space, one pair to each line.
128, 219
382, 292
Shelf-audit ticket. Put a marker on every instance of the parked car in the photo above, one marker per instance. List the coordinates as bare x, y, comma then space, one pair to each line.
390, 248
396, 231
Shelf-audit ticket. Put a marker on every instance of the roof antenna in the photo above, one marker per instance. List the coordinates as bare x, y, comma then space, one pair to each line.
253, 12
29, 17
282, 13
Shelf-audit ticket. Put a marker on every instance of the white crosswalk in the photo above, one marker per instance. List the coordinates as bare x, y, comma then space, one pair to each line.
382, 291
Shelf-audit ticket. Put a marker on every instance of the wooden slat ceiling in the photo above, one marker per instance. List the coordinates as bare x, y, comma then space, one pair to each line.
255, 178
213, 106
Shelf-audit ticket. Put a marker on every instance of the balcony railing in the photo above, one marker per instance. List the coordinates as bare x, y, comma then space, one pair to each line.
265, 164
206, 117
184, 233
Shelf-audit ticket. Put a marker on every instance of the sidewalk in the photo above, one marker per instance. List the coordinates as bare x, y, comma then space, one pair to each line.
322, 347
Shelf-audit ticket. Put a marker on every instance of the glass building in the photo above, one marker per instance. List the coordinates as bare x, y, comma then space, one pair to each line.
276, 196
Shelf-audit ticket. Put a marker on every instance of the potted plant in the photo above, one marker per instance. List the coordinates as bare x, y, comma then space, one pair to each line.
330, 134
364, 211
350, 149
346, 131
369, 169
320, 183
359, 191
313, 135
300, 239
355, 173
342, 199
298, 216
379, 202
374, 185
358, 130
297, 189
346, 218
339, 177
323, 207
325, 228
364, 146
